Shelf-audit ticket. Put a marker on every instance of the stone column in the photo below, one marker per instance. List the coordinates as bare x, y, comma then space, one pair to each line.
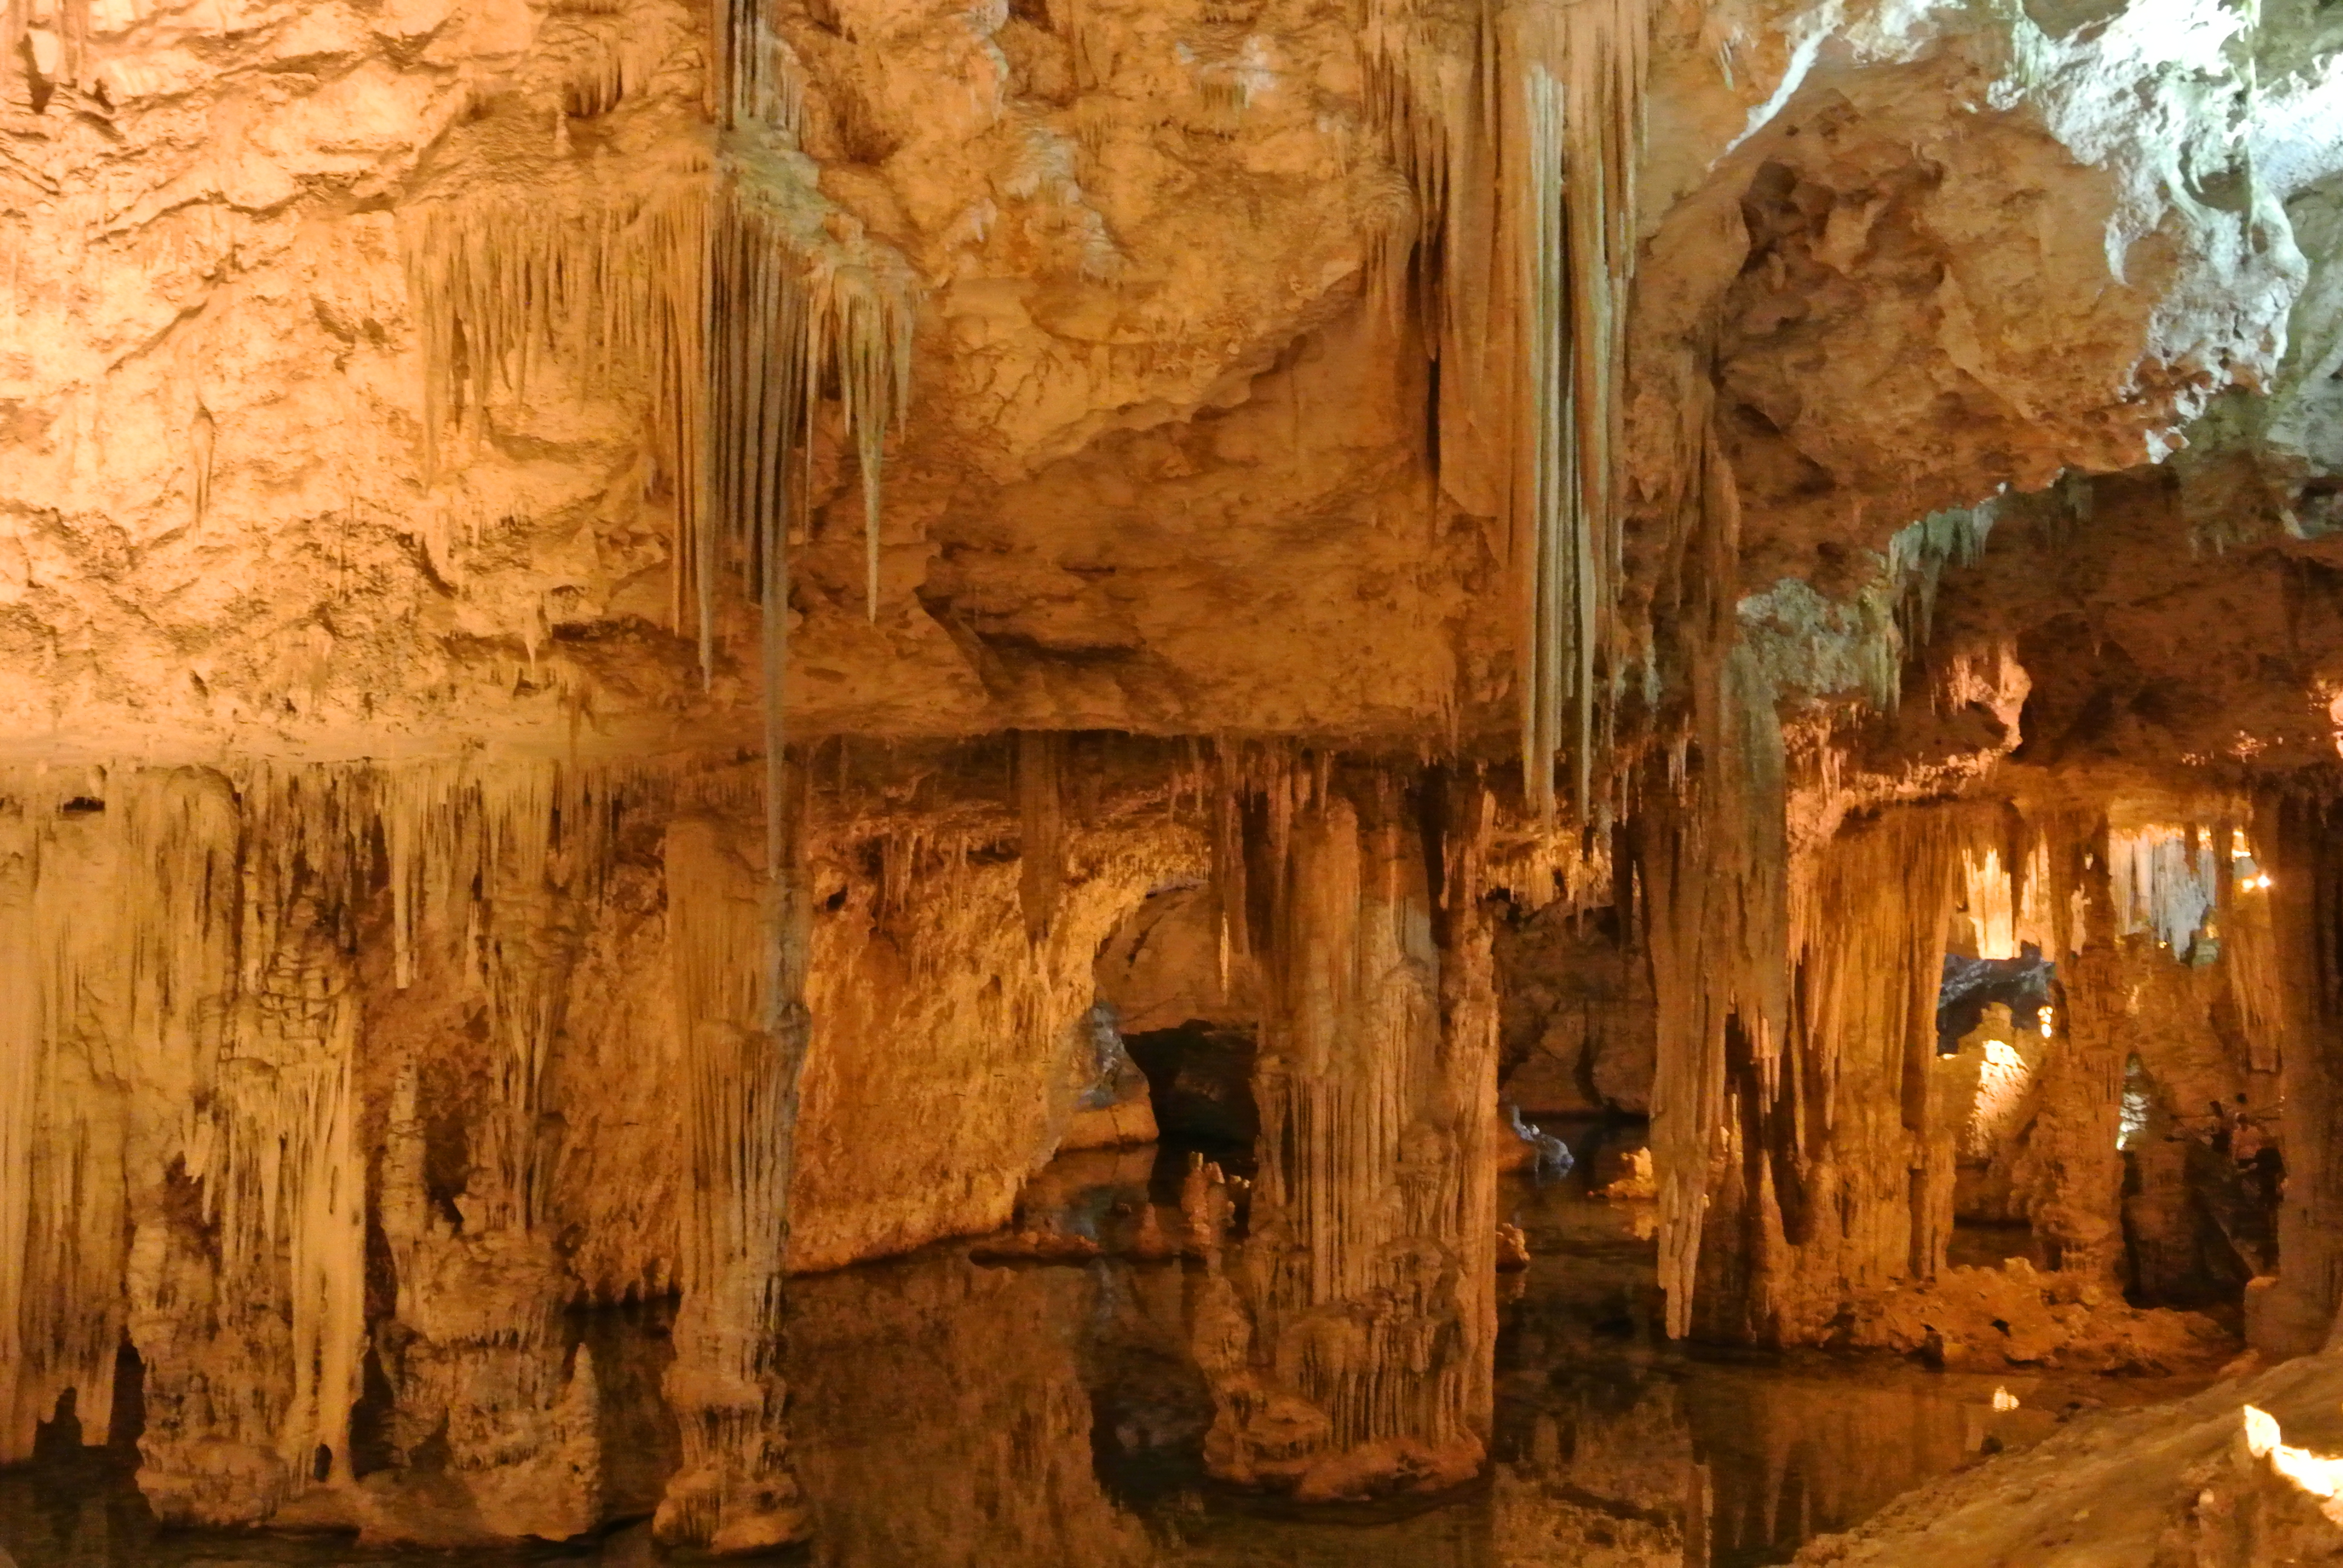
1350, 1342
2296, 1313
1837, 1176
743, 1049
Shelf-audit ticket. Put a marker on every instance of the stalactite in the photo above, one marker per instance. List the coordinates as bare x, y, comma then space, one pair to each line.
2163, 878
1866, 1191
116, 934
184, 949
287, 1178
478, 850
611, 287
1581, 77
1041, 850
1918, 554
1990, 894
723, 300
1523, 295
1714, 867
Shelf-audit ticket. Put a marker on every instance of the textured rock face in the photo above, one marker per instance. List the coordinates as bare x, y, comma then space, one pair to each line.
1578, 1028
1149, 410
2177, 1484
1133, 470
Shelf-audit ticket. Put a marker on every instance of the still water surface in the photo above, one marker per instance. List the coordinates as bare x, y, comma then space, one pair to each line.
952, 1413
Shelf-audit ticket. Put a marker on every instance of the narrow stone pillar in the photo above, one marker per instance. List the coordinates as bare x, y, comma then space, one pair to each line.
2073, 1169
1349, 1344
743, 1052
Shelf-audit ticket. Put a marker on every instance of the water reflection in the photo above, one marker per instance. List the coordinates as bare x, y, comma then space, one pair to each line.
949, 1412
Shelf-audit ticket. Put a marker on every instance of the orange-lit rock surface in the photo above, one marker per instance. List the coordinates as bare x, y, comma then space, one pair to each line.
633, 635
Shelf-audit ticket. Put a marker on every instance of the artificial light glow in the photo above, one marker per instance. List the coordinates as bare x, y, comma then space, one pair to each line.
2004, 1399
2046, 1023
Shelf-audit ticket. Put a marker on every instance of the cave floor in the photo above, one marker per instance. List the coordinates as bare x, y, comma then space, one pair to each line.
949, 1411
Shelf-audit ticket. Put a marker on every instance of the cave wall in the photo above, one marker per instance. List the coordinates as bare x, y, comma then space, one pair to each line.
399, 944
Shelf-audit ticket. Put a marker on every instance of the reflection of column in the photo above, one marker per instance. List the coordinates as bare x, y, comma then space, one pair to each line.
1350, 1345
1795, 1455
978, 1454
1599, 1486
741, 1055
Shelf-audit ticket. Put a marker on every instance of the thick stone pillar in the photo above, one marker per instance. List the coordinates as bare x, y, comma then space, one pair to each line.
1836, 1173
2293, 842
1349, 1342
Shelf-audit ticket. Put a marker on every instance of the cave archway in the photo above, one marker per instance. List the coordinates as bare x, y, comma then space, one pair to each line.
1189, 1012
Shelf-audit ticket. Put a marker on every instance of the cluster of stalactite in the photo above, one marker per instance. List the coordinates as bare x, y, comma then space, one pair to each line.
331, 1087
1520, 130
1348, 1337
717, 295
1806, 1127
189, 1165
1837, 1160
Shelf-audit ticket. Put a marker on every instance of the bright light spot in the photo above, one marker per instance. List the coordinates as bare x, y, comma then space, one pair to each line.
2312, 1472
2046, 1023
2001, 1097
2004, 1399
2138, 1103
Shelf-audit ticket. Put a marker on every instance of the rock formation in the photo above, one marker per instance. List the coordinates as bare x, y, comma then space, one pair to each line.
634, 636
